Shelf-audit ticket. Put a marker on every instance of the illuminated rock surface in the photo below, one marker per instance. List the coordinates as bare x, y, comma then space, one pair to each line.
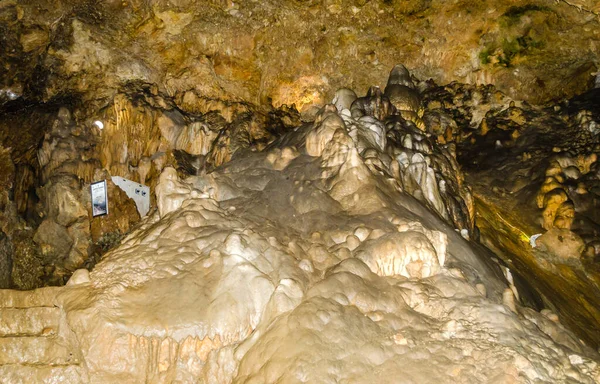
292, 240
294, 51
230, 281
331, 255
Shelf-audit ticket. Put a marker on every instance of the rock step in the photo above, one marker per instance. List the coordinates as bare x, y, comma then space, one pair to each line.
35, 321
42, 374
35, 350
42, 297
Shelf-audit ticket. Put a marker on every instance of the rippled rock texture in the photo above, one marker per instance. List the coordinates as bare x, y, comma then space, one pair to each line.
343, 248
309, 222
312, 261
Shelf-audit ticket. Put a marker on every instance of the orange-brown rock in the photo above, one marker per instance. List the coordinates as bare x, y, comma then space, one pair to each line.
295, 52
122, 215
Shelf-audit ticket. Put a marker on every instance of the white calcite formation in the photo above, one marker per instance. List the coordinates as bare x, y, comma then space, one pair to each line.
330, 256
308, 263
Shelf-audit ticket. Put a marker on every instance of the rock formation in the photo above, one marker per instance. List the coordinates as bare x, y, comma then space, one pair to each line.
338, 249
538, 51
338, 191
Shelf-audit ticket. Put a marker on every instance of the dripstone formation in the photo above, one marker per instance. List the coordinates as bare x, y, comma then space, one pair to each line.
346, 244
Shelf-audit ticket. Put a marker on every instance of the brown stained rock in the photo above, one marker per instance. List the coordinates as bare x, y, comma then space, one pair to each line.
54, 240
63, 200
549, 184
136, 129
562, 243
516, 115
22, 129
560, 278
6, 257
197, 139
144, 168
143, 129
272, 51
374, 104
34, 39
24, 183
403, 97
552, 201
565, 214
79, 252
122, 214
28, 268
584, 162
7, 169
194, 103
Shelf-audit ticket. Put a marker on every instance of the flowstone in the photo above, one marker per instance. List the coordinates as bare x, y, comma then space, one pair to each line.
294, 265
333, 251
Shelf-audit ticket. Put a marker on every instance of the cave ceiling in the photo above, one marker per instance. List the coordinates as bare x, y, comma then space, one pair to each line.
284, 52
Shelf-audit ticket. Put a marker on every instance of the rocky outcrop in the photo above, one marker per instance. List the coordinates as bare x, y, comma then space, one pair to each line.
138, 134
286, 265
289, 239
534, 176
67, 163
35, 343
294, 52
280, 251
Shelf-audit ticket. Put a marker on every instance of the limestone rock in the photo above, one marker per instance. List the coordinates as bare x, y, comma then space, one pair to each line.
198, 137
79, 252
64, 200
281, 158
220, 264
80, 276
54, 240
402, 94
403, 97
7, 170
344, 97
408, 254
340, 249
278, 264
170, 193
374, 104
218, 55
325, 126
562, 243
399, 75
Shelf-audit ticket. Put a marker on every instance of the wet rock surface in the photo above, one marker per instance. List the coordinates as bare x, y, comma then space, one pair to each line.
289, 239
47, 194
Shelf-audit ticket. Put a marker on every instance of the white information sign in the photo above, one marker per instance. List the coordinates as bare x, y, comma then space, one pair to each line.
99, 198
